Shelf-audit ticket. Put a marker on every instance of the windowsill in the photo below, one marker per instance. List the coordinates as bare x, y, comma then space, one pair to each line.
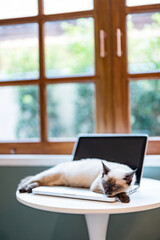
33, 160
50, 160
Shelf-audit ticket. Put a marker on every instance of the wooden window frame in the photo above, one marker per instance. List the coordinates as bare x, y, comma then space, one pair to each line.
111, 78
121, 77
154, 142
44, 146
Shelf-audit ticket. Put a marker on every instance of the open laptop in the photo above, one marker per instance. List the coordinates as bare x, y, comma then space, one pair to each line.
127, 149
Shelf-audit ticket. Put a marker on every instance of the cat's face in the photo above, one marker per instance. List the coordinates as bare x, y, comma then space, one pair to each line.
115, 181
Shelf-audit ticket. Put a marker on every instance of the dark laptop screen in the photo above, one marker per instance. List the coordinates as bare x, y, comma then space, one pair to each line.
125, 149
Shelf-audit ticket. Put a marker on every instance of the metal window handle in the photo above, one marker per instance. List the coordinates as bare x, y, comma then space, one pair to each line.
102, 44
119, 46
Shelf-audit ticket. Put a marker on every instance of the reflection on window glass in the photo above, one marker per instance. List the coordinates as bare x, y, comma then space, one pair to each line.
19, 113
69, 47
143, 42
18, 8
19, 52
70, 109
145, 107
62, 6
141, 2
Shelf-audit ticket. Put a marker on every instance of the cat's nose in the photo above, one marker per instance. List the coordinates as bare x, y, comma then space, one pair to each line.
108, 193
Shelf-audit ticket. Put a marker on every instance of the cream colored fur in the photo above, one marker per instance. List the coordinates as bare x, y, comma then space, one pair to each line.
84, 173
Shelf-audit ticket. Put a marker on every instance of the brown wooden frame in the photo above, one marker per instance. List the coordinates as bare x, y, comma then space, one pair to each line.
154, 142
111, 78
59, 146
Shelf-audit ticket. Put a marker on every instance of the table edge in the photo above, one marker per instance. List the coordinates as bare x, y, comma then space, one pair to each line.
90, 211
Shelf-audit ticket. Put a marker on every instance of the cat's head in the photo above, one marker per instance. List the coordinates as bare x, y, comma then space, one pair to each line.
115, 181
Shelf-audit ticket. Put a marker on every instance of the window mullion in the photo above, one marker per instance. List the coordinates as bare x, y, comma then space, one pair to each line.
42, 85
104, 109
120, 82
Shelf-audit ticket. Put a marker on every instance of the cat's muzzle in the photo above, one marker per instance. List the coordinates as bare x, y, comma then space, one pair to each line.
109, 193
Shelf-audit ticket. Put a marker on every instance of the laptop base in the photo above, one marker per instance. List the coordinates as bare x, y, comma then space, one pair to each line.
70, 192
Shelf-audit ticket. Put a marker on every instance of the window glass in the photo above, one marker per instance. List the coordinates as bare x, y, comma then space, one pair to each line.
18, 8
19, 113
69, 48
19, 52
145, 106
71, 109
143, 42
63, 6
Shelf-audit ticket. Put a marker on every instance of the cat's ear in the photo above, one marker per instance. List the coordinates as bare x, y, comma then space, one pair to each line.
129, 176
106, 170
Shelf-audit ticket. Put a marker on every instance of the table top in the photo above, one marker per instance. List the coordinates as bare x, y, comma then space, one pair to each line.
145, 198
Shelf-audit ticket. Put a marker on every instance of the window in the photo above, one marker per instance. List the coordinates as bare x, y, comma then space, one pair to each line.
69, 67
19, 52
143, 55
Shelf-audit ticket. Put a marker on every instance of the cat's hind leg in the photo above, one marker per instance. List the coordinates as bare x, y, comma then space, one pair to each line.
47, 178
28, 188
27, 184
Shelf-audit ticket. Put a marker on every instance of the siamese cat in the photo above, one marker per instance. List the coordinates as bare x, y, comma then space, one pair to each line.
112, 179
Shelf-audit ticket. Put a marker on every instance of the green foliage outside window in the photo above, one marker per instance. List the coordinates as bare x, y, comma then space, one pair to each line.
83, 52
28, 117
145, 95
84, 110
75, 55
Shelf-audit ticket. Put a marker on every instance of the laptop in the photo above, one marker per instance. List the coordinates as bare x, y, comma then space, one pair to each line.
127, 149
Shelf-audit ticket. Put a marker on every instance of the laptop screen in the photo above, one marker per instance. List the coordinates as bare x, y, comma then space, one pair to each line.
125, 149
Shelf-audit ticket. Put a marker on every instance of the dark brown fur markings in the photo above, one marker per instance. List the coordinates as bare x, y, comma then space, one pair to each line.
110, 186
123, 197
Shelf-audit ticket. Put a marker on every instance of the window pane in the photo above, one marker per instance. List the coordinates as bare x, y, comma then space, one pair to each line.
19, 52
18, 8
19, 113
141, 2
62, 6
70, 109
69, 48
145, 107
144, 42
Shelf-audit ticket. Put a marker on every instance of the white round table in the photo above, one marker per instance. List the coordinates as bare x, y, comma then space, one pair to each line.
97, 213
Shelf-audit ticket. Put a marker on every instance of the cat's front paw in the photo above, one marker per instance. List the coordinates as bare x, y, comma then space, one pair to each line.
123, 197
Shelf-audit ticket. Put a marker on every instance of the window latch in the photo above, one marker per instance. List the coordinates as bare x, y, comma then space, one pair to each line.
103, 36
119, 43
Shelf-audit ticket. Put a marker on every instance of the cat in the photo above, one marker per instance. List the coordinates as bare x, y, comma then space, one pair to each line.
112, 179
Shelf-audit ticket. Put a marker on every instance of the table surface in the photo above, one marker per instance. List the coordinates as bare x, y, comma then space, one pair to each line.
145, 198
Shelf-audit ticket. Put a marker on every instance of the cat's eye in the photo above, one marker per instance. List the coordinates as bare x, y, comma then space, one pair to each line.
129, 182
125, 178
